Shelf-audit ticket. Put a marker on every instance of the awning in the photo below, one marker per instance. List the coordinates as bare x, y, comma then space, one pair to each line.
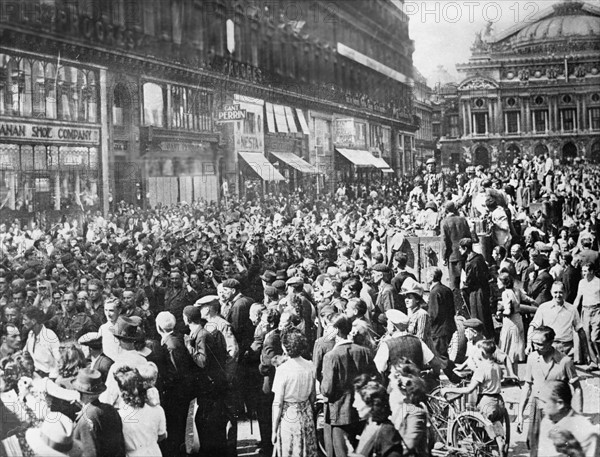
295, 162
289, 114
261, 166
381, 164
359, 157
270, 118
303, 124
280, 119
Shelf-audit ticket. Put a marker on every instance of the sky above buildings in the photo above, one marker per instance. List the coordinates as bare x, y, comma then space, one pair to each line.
444, 30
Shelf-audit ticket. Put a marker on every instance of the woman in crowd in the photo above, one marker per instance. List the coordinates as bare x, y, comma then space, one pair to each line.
379, 437
70, 362
294, 432
143, 425
512, 335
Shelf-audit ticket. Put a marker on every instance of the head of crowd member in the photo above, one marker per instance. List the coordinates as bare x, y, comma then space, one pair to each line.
371, 400
227, 266
128, 300
355, 309
397, 321
256, 312
474, 329
505, 281
129, 278
165, 323
70, 361
400, 261
288, 320
558, 292
465, 246
295, 285
112, 310
413, 294
95, 287
69, 304
128, 332
360, 267
434, 275
516, 252
192, 317
499, 253
44, 289
294, 343
431, 165
555, 399
271, 296
331, 289
33, 319
11, 339
195, 281
19, 298
13, 368
3, 285
175, 279
131, 386
587, 271
351, 288
12, 314
381, 273
270, 318
586, 243
231, 288
542, 339
565, 442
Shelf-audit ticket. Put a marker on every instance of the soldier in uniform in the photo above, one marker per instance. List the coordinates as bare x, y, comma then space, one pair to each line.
434, 181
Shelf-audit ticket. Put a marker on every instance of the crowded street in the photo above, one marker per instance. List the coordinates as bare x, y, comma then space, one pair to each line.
358, 228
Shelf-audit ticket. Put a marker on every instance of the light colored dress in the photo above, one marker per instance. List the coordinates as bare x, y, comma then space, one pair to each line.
141, 429
512, 335
293, 386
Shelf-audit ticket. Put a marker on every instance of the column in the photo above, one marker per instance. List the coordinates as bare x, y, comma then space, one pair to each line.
522, 117
104, 141
491, 124
584, 114
527, 122
470, 116
464, 117
557, 120
499, 116
57, 195
487, 126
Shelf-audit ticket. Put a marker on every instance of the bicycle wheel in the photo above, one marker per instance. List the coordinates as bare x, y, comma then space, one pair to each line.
506, 420
471, 433
438, 411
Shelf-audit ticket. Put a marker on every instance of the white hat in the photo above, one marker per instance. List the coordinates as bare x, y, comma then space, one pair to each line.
396, 317
207, 299
54, 438
410, 286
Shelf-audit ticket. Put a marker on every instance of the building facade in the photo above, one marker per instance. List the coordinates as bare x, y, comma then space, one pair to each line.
425, 146
530, 90
157, 102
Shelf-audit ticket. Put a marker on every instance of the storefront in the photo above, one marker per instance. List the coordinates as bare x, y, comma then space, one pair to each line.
321, 149
49, 135
287, 145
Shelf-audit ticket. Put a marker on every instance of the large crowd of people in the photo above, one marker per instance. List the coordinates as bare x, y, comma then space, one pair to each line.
154, 332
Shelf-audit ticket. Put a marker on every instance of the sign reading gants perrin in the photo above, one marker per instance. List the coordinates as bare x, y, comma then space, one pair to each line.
231, 113
49, 133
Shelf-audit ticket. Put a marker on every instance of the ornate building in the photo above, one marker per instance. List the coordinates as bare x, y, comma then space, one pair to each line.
424, 140
167, 100
533, 89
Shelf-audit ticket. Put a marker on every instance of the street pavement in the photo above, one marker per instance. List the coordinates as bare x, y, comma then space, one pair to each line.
247, 438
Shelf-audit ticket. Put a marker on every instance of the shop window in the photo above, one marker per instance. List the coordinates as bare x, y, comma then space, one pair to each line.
250, 123
454, 132
230, 31
154, 105
595, 118
512, 120
120, 105
567, 118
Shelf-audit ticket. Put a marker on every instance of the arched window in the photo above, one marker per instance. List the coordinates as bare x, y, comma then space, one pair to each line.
121, 105
50, 89
154, 105
39, 89
91, 98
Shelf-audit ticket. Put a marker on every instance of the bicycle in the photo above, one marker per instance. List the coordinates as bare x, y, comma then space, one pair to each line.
463, 430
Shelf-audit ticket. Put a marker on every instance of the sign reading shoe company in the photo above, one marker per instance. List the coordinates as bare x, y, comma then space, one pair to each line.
231, 113
49, 133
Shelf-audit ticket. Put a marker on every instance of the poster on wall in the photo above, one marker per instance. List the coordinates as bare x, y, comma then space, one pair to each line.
344, 133
248, 133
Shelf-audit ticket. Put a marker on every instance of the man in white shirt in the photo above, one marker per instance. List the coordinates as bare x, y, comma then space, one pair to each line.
42, 343
588, 294
110, 344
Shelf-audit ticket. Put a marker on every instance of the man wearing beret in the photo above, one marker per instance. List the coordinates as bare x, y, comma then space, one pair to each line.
177, 296
97, 359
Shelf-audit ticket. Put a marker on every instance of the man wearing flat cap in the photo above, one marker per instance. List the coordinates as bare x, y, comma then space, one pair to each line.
540, 280
97, 359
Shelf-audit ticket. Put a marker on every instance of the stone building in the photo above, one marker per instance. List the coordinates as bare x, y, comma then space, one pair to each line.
530, 90
164, 101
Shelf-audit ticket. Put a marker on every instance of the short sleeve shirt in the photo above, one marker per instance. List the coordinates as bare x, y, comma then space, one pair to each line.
488, 374
294, 380
558, 368
563, 319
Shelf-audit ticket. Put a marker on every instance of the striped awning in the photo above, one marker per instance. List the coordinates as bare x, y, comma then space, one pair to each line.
358, 157
382, 164
295, 162
261, 166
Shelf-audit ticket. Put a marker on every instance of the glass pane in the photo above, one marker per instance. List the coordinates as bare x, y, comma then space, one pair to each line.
153, 105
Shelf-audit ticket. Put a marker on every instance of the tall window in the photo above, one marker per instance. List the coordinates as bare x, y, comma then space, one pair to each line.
567, 117
454, 132
154, 105
512, 122
540, 119
322, 136
480, 123
595, 118
191, 109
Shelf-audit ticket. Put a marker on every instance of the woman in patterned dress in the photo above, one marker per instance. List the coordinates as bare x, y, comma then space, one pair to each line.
294, 432
512, 335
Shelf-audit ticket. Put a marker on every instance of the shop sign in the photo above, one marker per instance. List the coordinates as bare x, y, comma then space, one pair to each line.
231, 113
344, 132
49, 133
182, 147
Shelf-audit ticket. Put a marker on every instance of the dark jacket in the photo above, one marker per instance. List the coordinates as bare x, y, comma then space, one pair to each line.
322, 347
239, 318
177, 367
100, 430
340, 366
271, 348
539, 289
454, 228
477, 288
441, 309
570, 278
388, 442
209, 353
175, 301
